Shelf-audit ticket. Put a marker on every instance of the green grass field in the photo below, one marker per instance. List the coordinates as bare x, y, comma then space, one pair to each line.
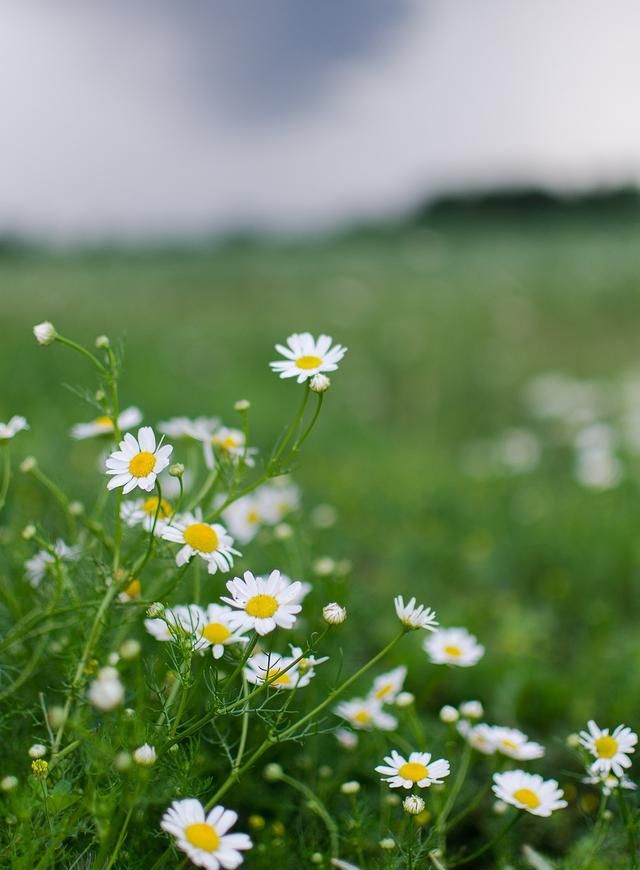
445, 324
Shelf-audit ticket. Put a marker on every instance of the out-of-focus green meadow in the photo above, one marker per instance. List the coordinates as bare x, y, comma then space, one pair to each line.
445, 324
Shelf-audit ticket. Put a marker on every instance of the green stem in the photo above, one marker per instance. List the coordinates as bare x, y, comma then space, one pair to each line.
244, 729
441, 825
292, 429
6, 477
629, 825
298, 444
204, 490
120, 840
137, 569
316, 806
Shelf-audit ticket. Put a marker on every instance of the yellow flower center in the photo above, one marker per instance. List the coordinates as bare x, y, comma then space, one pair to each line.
606, 747
308, 362
509, 744
362, 717
261, 606
201, 537
454, 651
413, 770
527, 797
142, 464
202, 836
277, 678
384, 690
134, 589
107, 422
253, 517
215, 632
151, 506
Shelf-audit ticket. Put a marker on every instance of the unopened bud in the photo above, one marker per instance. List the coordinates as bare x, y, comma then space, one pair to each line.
283, 532
8, 783
351, 787
102, 342
155, 610
45, 332
273, 772
319, 383
242, 405
413, 804
76, 508
29, 532
334, 614
449, 714
472, 709
176, 470
40, 769
28, 464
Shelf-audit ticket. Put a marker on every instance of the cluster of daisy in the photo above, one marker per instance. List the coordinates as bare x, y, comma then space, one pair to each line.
369, 713
610, 752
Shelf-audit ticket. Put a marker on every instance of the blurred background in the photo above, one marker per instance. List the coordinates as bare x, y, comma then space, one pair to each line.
445, 186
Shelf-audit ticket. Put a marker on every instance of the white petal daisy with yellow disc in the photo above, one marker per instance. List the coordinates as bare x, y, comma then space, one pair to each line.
184, 427
415, 616
10, 430
264, 604
127, 419
216, 630
138, 461
611, 751
515, 744
142, 512
244, 517
453, 646
209, 541
281, 672
387, 686
278, 499
204, 837
529, 792
229, 445
418, 770
480, 737
176, 623
305, 356
366, 714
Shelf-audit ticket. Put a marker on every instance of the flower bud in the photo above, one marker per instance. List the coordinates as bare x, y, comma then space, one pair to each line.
242, 405
130, 649
28, 464
122, 761
273, 772
8, 783
351, 787
413, 804
176, 470
283, 532
155, 610
76, 508
145, 755
55, 715
102, 342
573, 741
405, 699
40, 769
472, 709
324, 566
387, 843
37, 750
319, 383
334, 614
45, 332
449, 714
500, 808
29, 532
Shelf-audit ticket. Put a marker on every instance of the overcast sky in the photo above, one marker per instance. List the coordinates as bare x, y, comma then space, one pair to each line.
146, 118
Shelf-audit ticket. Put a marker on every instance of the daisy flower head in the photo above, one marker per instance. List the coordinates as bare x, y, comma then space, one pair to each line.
142, 512
278, 499
453, 646
185, 428
216, 630
244, 517
417, 770
515, 744
106, 692
38, 565
175, 623
210, 541
127, 419
228, 444
138, 461
10, 430
611, 751
264, 604
387, 686
609, 783
366, 714
414, 616
480, 737
528, 791
305, 356
279, 671
203, 836
306, 662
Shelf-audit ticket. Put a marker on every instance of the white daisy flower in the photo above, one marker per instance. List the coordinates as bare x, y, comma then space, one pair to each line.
480, 737
453, 646
216, 629
177, 621
38, 565
515, 744
129, 418
230, 444
418, 770
209, 541
142, 512
528, 791
184, 427
609, 783
365, 714
203, 837
278, 499
415, 616
305, 356
306, 662
611, 751
244, 518
387, 686
279, 670
106, 692
10, 430
264, 604
138, 461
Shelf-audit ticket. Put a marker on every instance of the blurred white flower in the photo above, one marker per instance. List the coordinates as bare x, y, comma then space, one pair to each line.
453, 646
106, 692
10, 430
127, 419
145, 755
